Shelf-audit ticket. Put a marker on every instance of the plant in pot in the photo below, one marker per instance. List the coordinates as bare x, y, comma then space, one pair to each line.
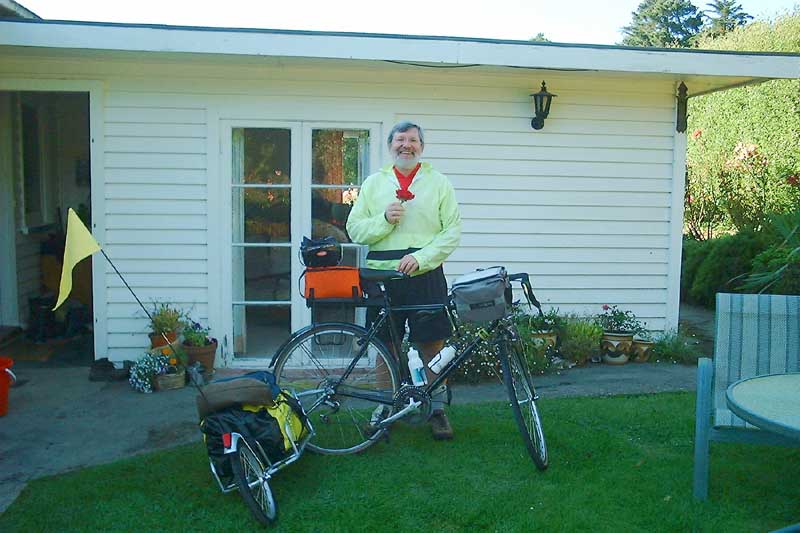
618, 329
580, 339
199, 346
165, 323
642, 345
159, 369
541, 328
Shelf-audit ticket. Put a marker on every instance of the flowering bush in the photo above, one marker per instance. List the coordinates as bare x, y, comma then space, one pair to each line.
145, 369
615, 319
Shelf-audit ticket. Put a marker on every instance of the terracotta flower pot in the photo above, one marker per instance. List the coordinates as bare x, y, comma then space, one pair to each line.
204, 354
157, 340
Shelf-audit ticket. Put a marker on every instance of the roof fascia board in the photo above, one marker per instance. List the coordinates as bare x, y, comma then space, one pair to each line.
383, 47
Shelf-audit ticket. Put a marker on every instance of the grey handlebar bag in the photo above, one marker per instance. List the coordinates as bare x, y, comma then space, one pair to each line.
483, 295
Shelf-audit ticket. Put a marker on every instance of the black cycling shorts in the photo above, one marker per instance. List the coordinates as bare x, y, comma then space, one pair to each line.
427, 288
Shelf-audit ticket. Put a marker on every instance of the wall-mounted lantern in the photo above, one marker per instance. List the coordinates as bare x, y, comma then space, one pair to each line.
541, 107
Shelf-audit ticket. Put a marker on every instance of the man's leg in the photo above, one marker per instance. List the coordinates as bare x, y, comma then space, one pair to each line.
440, 425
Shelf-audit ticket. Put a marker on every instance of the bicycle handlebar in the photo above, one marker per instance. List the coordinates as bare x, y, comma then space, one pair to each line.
527, 290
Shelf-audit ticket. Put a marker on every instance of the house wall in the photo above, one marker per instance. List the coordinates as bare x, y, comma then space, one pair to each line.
583, 205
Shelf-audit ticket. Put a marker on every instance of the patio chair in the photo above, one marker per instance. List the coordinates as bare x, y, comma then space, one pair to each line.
756, 334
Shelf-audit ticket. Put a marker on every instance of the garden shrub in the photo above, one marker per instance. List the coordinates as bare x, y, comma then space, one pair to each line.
675, 347
579, 339
694, 252
730, 257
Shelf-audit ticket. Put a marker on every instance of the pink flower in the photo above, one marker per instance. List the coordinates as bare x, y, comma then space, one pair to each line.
606, 307
697, 133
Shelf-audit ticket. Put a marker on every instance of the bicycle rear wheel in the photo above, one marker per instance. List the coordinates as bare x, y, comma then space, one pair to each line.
312, 364
522, 395
254, 488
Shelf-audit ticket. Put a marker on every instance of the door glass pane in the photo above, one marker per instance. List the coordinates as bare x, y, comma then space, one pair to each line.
339, 165
339, 157
258, 331
267, 156
261, 211
266, 213
267, 274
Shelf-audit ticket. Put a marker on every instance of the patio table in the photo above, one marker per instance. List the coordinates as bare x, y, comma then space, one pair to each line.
771, 403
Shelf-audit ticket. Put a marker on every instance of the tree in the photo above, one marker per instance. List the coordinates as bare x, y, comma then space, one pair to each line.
540, 38
663, 23
724, 16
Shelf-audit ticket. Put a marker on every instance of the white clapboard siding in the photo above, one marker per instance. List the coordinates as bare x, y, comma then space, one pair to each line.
559, 183
582, 205
156, 223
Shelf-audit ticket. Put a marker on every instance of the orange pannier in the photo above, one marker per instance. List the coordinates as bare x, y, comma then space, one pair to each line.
332, 282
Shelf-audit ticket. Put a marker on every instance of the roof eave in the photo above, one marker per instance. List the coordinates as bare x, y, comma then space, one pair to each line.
441, 50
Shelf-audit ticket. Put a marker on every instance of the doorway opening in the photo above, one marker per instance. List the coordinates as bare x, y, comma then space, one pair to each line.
45, 169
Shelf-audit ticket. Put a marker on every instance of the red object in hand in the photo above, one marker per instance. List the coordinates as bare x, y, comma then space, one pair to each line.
404, 194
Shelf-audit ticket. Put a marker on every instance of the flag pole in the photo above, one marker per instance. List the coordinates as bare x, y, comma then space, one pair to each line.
163, 335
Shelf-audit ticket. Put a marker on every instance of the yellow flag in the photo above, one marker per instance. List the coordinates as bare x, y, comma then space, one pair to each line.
80, 245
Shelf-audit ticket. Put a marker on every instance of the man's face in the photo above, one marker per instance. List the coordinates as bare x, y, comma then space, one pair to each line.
406, 149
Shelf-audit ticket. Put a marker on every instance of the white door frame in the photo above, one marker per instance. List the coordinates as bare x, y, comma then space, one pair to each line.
301, 131
96, 91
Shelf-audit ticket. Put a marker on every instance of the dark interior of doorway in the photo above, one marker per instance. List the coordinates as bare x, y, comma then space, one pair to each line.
51, 143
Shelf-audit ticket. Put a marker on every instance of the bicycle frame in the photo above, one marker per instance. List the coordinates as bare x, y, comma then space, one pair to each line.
496, 329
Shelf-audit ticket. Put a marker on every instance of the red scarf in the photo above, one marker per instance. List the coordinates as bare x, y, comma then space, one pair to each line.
405, 181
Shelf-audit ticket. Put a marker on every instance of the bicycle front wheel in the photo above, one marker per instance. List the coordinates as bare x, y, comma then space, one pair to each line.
340, 408
522, 395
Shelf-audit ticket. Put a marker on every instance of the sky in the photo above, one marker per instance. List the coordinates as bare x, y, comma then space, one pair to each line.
570, 21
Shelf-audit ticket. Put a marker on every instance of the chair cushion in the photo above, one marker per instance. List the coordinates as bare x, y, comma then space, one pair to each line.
220, 395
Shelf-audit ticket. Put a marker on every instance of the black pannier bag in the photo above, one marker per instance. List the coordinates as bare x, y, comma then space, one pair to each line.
324, 252
255, 427
483, 295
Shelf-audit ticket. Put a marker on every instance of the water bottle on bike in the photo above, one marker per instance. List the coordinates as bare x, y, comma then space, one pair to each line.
417, 368
440, 360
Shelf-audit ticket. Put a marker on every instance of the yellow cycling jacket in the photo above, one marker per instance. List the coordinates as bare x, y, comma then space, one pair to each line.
430, 227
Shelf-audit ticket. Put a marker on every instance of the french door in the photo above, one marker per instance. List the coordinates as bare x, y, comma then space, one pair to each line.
287, 180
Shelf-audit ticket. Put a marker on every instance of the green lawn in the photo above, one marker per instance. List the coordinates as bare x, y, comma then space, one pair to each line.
617, 464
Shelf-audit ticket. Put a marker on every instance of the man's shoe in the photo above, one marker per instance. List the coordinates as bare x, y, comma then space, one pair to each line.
440, 425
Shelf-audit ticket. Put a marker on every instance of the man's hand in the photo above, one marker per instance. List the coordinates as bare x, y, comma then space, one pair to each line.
408, 265
394, 212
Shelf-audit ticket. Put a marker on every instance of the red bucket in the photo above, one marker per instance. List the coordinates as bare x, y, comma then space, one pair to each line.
6, 377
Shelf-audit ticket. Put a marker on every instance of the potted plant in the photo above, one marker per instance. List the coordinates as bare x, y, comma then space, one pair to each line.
642, 345
618, 329
199, 346
580, 340
542, 328
165, 323
159, 369
173, 375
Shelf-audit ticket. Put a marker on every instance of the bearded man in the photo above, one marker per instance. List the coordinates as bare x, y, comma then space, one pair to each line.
408, 216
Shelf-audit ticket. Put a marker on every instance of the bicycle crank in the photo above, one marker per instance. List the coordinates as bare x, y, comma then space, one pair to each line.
412, 404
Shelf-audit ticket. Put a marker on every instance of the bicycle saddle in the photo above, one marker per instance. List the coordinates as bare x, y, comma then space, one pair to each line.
373, 274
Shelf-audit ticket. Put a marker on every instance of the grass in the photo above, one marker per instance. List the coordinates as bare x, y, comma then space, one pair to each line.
617, 464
